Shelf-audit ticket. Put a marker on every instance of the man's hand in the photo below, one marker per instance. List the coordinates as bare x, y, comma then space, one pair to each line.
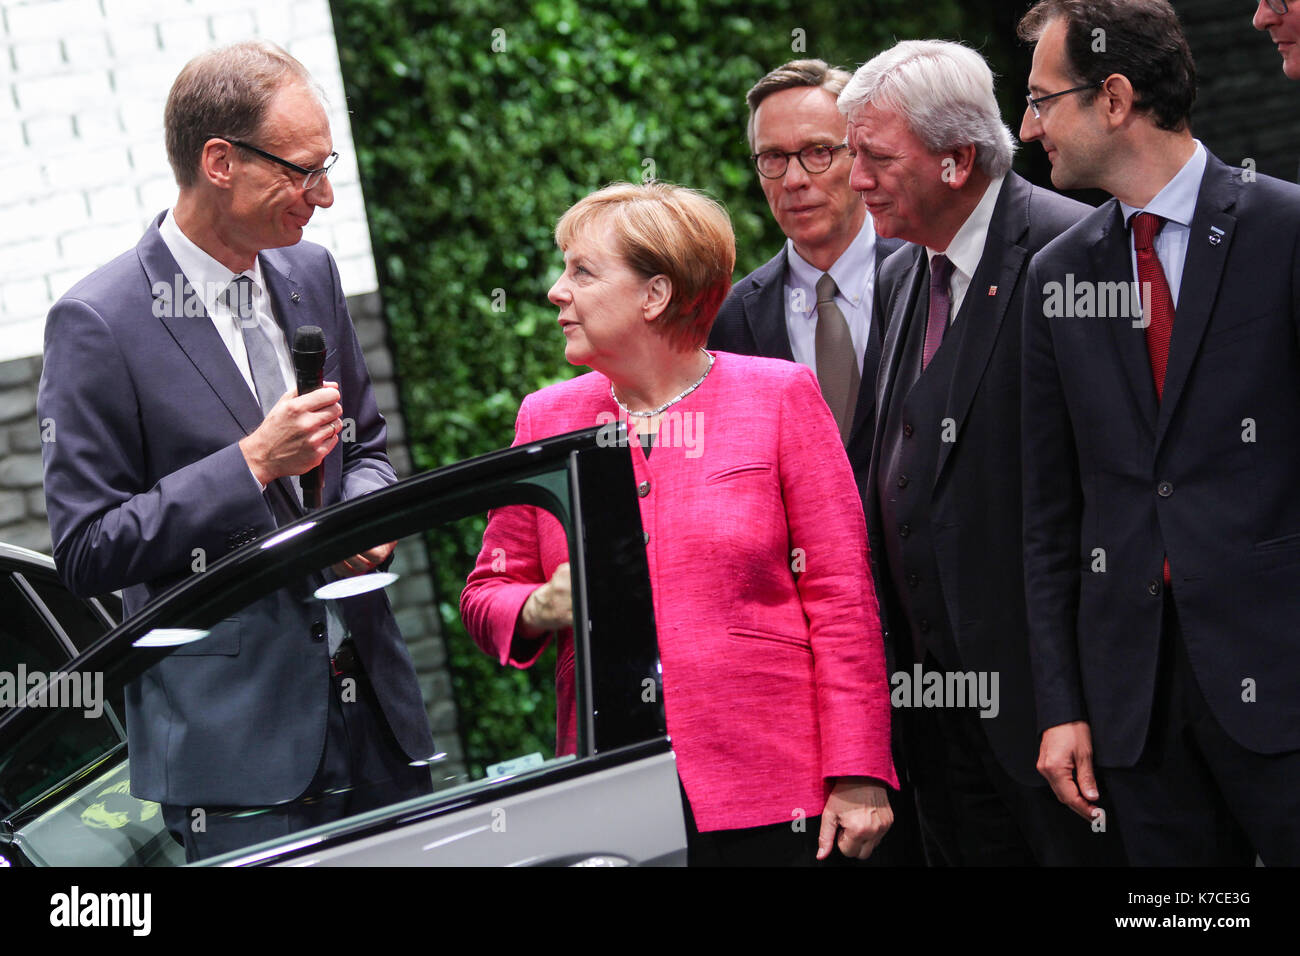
859, 808
550, 607
296, 434
1065, 759
365, 562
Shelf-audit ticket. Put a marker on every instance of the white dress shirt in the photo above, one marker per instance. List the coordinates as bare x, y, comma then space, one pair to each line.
854, 273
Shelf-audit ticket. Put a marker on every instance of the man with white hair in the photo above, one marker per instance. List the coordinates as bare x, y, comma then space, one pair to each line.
932, 162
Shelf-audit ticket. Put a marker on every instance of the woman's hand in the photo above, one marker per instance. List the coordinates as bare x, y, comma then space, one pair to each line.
858, 807
550, 607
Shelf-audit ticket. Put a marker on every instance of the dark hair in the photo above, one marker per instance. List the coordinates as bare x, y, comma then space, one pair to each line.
1139, 39
224, 92
793, 75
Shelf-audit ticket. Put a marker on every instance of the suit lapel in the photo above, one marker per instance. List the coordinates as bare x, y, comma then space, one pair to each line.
765, 310
195, 333
981, 314
900, 314
1202, 272
1111, 262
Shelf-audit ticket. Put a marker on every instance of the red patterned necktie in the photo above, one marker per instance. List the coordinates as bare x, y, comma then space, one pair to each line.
1160, 324
1146, 226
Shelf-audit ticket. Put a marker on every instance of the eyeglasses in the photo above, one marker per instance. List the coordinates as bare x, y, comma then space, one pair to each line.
772, 163
1277, 6
311, 177
1033, 101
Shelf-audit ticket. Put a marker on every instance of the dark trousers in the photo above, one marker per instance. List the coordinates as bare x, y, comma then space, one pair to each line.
777, 844
362, 768
1196, 797
973, 813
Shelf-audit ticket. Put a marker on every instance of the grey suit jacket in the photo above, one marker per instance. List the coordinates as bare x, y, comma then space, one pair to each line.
146, 471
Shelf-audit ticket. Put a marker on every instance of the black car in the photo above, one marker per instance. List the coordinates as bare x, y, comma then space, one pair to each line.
64, 772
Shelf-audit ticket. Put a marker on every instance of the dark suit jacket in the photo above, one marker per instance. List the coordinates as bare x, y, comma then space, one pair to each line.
1210, 476
752, 322
145, 468
975, 499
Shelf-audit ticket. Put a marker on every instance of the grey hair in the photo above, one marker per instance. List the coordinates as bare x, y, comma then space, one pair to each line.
944, 91
225, 92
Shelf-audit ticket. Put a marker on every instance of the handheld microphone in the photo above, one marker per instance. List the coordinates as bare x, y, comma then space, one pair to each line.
309, 367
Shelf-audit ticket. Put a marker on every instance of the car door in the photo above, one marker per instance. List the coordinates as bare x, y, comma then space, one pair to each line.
613, 801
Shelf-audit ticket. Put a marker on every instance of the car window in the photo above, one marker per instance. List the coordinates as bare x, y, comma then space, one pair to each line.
83, 622
32, 657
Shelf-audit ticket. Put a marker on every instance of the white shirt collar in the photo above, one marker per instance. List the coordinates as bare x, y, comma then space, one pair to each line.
208, 277
852, 271
967, 244
1176, 202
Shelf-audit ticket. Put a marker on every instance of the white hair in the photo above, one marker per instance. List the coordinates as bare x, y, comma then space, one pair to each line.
944, 91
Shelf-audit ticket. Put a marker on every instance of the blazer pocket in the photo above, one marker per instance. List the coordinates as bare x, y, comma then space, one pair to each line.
222, 640
744, 635
1275, 544
754, 468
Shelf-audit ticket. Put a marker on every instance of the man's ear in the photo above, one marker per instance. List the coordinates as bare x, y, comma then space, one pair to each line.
215, 163
957, 166
1118, 96
659, 292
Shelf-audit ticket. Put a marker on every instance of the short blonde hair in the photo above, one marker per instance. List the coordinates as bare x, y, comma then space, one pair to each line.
666, 230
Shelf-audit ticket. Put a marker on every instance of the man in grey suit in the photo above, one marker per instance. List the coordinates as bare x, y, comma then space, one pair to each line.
811, 303
169, 377
932, 161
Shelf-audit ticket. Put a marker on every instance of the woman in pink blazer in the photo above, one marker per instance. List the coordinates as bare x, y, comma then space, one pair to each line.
773, 666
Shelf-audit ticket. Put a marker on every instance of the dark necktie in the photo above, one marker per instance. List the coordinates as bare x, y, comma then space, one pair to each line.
1160, 324
940, 307
837, 362
268, 379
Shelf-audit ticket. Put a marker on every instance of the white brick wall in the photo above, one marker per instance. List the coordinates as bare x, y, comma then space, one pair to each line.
82, 161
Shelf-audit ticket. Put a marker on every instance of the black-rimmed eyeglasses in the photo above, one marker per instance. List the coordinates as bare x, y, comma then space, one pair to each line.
310, 177
1277, 6
1033, 100
772, 163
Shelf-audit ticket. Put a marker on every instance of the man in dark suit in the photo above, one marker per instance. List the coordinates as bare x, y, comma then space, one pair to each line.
932, 161
1162, 455
832, 252
1282, 23
180, 437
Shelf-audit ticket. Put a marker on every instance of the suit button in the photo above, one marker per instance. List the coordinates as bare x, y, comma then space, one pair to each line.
1153, 588
907, 431
902, 481
318, 630
643, 489
646, 535
904, 530
924, 625
1165, 489
913, 580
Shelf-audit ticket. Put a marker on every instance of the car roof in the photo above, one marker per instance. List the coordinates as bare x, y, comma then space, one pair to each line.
20, 555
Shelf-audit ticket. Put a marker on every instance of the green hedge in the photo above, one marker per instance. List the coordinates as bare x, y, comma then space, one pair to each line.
477, 127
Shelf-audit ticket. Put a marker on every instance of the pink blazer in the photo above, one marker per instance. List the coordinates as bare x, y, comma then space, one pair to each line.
773, 666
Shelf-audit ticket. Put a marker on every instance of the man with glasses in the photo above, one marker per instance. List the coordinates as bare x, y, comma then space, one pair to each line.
811, 303
1161, 416
932, 163
180, 437
1283, 27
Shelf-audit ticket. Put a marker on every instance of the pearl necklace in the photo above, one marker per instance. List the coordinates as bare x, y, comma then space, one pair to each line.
668, 404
